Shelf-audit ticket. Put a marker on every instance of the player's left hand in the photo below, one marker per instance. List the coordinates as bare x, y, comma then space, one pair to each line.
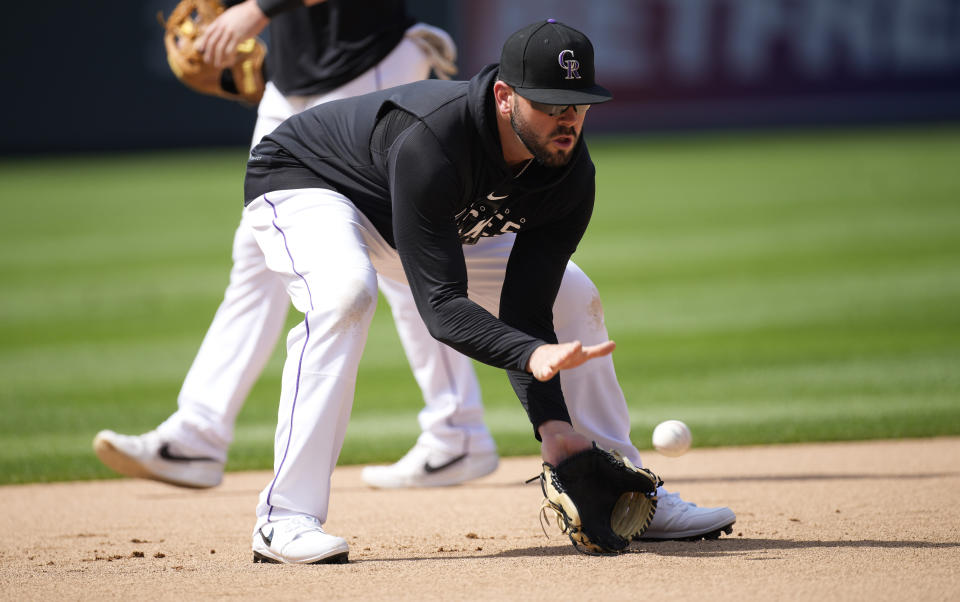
558, 441
549, 359
218, 42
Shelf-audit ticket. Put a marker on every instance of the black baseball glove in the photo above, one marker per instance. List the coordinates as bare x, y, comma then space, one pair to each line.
601, 500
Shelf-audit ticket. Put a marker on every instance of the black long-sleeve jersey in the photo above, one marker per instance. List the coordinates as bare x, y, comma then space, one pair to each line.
317, 49
424, 163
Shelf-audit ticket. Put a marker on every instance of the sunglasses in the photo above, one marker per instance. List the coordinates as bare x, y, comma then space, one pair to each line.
555, 110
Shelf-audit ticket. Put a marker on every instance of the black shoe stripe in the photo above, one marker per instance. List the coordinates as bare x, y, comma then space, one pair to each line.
166, 454
430, 469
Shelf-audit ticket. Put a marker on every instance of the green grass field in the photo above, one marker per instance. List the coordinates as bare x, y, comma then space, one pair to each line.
763, 288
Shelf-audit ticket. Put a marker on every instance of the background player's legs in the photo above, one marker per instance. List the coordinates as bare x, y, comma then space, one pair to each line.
190, 447
454, 441
234, 351
452, 419
244, 331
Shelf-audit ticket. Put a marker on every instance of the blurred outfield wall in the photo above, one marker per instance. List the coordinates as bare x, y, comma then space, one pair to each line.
680, 64
92, 76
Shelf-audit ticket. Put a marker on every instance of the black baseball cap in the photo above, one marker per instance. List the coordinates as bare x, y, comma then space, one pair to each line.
552, 63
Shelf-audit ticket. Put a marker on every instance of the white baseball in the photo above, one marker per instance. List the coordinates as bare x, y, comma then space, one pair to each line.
672, 438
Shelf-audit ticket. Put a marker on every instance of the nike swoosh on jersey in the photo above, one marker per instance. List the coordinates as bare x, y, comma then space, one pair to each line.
490, 197
429, 468
166, 454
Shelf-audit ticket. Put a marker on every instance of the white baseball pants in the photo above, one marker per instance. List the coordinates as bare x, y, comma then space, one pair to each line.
250, 319
299, 231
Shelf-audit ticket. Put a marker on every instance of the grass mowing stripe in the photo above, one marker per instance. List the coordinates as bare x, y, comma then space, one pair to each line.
30, 459
767, 287
848, 300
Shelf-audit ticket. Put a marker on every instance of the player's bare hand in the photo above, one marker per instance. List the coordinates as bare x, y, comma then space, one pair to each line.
239, 23
548, 359
558, 441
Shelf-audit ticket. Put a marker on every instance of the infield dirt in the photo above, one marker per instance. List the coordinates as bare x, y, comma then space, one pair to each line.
842, 521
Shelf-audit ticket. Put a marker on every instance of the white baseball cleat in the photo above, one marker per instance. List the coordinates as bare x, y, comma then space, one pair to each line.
150, 456
425, 467
679, 519
298, 540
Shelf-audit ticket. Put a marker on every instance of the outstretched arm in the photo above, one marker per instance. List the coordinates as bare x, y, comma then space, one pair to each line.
547, 360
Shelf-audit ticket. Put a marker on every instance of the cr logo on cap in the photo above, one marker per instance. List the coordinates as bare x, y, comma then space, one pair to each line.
570, 65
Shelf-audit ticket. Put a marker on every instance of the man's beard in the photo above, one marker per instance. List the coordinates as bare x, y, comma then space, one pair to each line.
538, 149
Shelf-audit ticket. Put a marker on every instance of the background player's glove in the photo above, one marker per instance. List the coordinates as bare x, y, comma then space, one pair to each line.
600, 498
243, 81
438, 46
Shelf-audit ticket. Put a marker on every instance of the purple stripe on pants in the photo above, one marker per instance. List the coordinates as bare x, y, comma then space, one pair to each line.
306, 322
